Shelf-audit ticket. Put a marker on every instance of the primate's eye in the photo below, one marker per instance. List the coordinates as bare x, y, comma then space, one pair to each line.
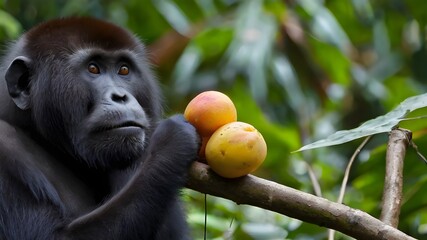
92, 68
124, 70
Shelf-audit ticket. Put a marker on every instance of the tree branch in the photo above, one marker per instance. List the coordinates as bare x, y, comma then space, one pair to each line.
272, 196
392, 194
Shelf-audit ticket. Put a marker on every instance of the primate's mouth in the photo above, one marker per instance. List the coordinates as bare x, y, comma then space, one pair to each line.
128, 125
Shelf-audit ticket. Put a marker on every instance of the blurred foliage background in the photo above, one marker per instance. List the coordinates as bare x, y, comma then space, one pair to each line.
298, 70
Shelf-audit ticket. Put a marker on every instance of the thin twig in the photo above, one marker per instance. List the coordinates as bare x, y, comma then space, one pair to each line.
331, 232
413, 118
348, 168
313, 179
399, 140
205, 230
415, 147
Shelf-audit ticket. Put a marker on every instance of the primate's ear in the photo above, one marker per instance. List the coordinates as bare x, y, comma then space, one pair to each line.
17, 79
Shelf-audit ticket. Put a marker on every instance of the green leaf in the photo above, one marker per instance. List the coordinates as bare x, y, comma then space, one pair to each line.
251, 47
9, 25
186, 67
174, 15
264, 231
339, 72
377, 125
213, 42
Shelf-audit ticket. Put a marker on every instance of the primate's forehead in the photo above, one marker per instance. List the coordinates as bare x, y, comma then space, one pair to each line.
80, 31
63, 36
86, 54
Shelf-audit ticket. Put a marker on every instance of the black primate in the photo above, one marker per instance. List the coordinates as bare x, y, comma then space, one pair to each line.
83, 152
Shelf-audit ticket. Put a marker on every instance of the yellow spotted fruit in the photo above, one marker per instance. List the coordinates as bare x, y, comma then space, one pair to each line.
210, 110
235, 149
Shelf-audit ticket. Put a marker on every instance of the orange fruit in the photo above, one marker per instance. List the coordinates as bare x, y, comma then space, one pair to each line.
235, 149
210, 110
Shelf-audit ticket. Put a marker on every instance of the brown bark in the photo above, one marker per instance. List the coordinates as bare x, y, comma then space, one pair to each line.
392, 194
272, 196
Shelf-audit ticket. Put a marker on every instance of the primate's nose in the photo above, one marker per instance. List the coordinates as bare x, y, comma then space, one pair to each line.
119, 97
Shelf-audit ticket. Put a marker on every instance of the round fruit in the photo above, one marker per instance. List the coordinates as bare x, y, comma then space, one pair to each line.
202, 156
210, 110
235, 149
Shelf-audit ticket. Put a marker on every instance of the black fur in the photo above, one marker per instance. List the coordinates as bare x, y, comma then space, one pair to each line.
84, 154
